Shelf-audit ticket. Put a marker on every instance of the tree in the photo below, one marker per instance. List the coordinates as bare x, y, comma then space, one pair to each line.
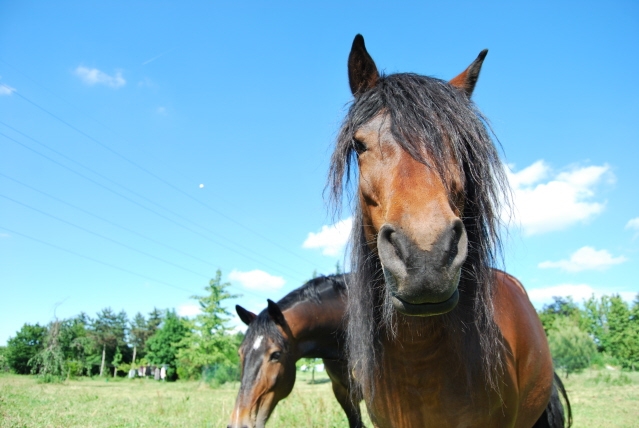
22, 348
49, 362
138, 335
164, 345
108, 331
562, 307
622, 338
210, 343
117, 360
571, 348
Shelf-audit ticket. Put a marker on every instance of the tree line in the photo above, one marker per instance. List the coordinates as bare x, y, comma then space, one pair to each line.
111, 344
603, 331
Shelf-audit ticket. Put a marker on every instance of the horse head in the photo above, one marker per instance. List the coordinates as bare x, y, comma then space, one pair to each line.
268, 368
412, 181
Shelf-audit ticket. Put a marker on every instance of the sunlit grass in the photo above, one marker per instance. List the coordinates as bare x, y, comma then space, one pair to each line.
600, 398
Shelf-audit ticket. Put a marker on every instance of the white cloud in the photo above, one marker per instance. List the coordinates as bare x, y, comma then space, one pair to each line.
331, 239
93, 76
257, 279
578, 292
585, 258
6, 89
546, 202
188, 309
633, 224
161, 111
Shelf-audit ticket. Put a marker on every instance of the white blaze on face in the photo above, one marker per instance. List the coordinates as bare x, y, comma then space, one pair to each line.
257, 342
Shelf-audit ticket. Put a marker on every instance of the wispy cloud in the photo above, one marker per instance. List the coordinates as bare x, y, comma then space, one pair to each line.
545, 201
585, 258
161, 111
579, 293
633, 224
331, 239
257, 279
93, 76
156, 57
6, 89
188, 309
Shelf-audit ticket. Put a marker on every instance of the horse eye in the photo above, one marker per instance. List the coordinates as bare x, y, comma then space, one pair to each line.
359, 146
275, 356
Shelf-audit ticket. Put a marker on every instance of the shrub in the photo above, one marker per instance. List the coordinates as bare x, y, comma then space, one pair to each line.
572, 349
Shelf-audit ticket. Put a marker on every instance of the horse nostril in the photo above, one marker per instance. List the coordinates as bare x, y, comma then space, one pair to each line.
457, 231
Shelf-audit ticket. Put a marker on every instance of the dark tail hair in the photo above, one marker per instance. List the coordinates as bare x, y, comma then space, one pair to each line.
554, 416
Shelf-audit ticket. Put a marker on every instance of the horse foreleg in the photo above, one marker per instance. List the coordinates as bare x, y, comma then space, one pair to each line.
338, 373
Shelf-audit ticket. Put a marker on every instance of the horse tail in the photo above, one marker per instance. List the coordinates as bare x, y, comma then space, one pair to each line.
554, 415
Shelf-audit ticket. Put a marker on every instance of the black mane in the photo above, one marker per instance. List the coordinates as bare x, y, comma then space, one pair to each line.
434, 122
263, 325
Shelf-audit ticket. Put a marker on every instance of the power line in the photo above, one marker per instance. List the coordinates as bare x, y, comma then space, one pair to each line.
140, 205
107, 220
96, 260
114, 266
104, 237
177, 189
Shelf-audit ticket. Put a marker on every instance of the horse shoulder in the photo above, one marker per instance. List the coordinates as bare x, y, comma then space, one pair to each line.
529, 362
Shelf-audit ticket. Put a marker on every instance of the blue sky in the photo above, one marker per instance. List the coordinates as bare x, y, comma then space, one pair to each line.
143, 147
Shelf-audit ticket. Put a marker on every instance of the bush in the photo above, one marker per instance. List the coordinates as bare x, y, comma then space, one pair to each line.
572, 349
219, 374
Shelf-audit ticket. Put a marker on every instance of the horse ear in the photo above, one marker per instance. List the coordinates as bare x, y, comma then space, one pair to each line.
468, 78
362, 72
275, 313
247, 317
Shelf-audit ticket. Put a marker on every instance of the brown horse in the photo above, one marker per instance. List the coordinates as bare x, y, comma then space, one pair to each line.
308, 322
436, 337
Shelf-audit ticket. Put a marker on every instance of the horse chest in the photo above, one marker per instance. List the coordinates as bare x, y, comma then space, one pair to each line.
431, 390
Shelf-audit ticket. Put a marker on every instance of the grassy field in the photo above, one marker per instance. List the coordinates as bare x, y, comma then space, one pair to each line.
599, 398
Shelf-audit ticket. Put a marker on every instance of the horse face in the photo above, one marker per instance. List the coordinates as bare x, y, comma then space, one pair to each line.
410, 222
411, 213
268, 375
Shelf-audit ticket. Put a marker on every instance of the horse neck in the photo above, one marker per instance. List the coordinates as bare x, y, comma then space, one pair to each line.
317, 328
438, 341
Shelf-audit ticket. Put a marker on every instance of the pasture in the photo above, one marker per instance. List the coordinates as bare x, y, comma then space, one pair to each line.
600, 398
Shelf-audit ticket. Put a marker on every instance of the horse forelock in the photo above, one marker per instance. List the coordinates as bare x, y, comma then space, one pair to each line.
434, 123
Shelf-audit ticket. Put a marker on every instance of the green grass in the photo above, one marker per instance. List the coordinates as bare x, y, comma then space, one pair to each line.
600, 398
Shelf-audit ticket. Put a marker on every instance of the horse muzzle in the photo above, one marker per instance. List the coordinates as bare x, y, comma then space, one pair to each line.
423, 282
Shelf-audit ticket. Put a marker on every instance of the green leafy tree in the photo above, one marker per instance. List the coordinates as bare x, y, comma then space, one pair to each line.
571, 348
49, 362
117, 361
4, 365
24, 346
562, 307
76, 344
622, 338
140, 330
108, 332
210, 342
164, 345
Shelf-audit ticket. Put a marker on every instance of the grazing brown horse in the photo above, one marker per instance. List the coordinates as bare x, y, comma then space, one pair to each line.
436, 337
308, 322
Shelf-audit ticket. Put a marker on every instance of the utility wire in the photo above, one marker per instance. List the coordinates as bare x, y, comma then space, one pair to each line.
177, 250
147, 208
114, 266
104, 237
159, 178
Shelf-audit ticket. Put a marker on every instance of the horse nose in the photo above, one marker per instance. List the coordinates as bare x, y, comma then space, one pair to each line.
426, 273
